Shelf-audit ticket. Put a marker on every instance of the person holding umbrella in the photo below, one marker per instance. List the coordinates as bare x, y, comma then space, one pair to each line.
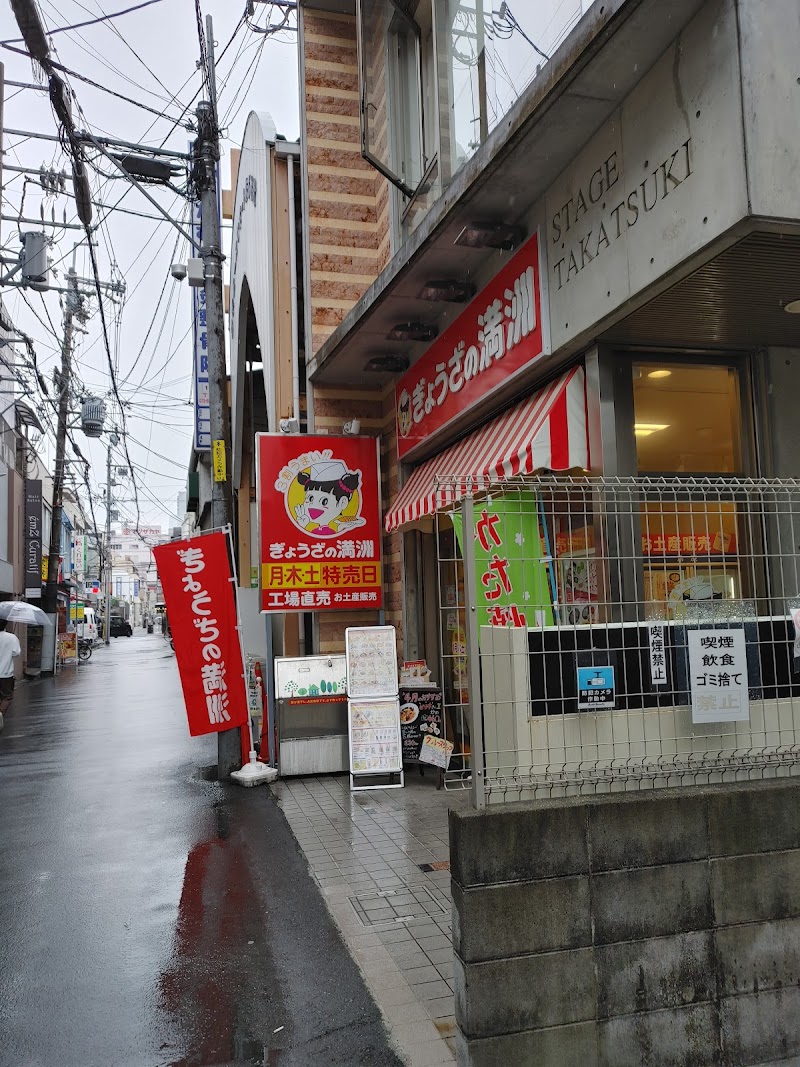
13, 611
9, 650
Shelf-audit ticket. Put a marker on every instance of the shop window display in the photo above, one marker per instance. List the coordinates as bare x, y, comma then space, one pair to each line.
690, 554
687, 421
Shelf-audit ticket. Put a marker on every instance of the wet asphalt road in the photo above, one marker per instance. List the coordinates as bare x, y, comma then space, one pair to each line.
150, 917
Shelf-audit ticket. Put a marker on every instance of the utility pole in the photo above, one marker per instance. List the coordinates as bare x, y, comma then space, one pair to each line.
73, 307
207, 156
211, 254
108, 570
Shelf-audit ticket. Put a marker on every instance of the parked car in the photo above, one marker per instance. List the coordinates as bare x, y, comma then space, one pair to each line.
87, 630
120, 627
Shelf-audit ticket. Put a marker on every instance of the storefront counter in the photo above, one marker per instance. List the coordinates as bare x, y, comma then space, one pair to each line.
311, 704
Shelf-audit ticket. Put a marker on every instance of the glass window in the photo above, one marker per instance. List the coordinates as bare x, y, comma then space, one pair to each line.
437, 77
398, 131
691, 553
404, 44
686, 419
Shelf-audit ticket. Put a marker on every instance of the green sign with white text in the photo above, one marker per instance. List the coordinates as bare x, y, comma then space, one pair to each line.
514, 573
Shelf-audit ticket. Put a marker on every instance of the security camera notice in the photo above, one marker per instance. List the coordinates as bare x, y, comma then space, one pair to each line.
595, 688
718, 674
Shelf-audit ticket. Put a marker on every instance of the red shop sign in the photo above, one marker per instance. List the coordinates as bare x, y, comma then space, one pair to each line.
198, 592
497, 334
705, 544
319, 522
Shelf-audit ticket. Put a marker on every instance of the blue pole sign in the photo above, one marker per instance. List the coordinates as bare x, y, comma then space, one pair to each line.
595, 688
202, 409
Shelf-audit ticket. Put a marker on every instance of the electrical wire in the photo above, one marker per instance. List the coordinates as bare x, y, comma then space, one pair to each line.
86, 46
158, 455
113, 28
149, 375
172, 292
50, 428
169, 357
91, 22
96, 272
155, 313
97, 85
229, 118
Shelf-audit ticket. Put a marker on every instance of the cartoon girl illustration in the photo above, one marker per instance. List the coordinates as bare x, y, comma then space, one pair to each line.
329, 487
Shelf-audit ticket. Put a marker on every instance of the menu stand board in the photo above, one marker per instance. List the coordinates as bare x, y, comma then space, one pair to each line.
371, 661
373, 706
421, 716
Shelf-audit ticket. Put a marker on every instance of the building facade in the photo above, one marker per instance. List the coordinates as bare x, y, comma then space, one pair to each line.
268, 348
598, 280
134, 579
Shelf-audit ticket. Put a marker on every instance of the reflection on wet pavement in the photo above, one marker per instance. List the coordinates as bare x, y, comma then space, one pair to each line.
151, 917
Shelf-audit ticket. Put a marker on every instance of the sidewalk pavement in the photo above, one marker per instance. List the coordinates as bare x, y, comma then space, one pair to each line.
381, 858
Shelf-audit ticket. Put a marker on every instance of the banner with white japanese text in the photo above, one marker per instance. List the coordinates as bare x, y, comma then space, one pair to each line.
514, 578
319, 522
198, 592
498, 334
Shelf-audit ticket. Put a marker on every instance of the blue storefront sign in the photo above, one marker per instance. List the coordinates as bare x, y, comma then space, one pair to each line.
595, 688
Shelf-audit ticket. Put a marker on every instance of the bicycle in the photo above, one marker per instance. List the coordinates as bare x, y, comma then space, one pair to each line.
84, 650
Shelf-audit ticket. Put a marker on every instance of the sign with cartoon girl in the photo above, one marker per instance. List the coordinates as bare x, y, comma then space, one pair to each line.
331, 499
320, 527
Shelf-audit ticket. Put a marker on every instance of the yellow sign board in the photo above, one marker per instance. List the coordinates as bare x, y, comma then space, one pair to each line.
218, 451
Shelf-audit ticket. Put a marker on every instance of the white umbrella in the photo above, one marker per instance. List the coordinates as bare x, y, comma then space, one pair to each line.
21, 611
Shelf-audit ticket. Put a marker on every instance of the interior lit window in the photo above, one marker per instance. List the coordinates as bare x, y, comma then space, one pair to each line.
686, 418
687, 422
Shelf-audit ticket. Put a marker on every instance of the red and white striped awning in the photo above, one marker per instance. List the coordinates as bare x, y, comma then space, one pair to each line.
547, 431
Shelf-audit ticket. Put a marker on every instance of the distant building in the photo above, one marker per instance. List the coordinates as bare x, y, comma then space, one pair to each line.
134, 579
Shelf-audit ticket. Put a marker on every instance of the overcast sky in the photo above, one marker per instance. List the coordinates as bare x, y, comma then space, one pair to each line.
149, 57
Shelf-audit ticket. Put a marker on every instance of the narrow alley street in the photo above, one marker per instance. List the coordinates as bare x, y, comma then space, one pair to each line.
150, 916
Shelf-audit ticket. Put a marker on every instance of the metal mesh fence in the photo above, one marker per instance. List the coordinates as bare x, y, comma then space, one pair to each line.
603, 634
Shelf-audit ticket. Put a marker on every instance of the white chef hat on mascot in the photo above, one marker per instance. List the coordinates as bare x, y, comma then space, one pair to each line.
330, 471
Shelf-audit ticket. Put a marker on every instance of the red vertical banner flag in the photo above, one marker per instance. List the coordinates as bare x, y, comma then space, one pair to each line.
198, 592
320, 522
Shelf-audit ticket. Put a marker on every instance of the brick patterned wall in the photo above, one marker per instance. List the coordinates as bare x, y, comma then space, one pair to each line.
348, 200
349, 244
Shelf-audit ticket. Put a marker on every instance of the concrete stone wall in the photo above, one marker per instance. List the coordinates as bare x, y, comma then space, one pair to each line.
658, 929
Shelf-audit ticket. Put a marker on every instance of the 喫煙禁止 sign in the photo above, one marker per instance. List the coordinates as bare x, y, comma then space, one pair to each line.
320, 522
196, 578
718, 676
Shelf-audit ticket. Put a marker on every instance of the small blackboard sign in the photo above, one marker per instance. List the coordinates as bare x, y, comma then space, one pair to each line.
421, 715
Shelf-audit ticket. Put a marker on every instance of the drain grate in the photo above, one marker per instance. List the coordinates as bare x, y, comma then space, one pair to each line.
438, 865
396, 906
